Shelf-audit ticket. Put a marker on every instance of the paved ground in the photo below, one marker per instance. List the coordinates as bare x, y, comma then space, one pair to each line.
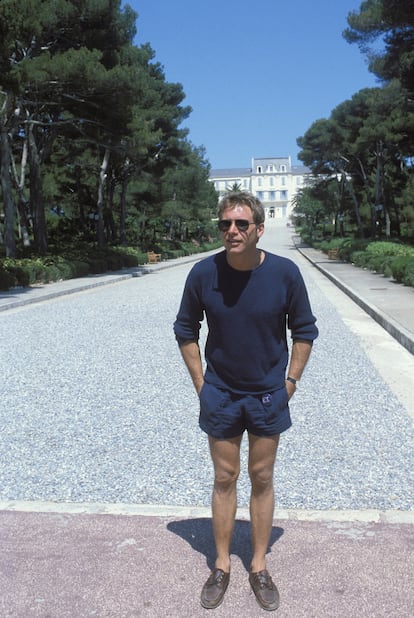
110, 565
61, 560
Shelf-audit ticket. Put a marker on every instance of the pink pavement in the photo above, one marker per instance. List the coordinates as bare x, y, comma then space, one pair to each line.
55, 565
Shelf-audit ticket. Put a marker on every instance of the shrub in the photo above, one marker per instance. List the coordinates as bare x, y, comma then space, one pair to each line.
20, 274
35, 269
390, 249
51, 273
333, 243
349, 246
402, 267
378, 263
171, 254
359, 258
408, 278
97, 265
6, 278
81, 268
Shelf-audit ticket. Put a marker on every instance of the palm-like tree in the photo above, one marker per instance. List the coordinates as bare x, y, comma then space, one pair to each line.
234, 188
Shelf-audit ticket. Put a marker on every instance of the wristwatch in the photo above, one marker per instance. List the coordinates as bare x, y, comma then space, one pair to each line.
289, 379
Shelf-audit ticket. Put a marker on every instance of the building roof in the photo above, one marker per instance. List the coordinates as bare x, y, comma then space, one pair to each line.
300, 169
231, 172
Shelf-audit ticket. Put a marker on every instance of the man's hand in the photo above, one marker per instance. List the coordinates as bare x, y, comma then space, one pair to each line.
291, 389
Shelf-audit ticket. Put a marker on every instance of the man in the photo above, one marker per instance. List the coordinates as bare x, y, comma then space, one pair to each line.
249, 298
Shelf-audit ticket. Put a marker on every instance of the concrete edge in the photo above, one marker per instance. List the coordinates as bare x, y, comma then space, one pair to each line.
85, 283
401, 334
51, 295
130, 510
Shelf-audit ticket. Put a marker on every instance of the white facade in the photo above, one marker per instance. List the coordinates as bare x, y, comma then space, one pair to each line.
273, 180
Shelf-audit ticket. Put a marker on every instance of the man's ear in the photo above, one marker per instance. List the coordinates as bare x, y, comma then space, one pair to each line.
260, 230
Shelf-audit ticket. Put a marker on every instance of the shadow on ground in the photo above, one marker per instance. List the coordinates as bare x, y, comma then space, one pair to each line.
199, 534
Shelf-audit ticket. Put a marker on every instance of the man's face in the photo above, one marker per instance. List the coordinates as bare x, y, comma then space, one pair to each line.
235, 240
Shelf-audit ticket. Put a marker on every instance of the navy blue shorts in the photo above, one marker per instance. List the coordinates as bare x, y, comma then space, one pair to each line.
224, 414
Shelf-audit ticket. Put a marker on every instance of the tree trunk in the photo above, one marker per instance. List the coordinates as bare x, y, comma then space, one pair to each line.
22, 208
350, 188
109, 220
6, 185
36, 197
379, 184
22, 203
357, 213
123, 205
100, 202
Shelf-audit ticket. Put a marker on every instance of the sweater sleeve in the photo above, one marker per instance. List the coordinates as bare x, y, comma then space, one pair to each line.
190, 314
301, 321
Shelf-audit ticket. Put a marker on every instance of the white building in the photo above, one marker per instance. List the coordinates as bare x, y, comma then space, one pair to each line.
273, 180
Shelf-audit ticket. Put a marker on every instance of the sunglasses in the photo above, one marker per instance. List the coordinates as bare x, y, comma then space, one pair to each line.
242, 224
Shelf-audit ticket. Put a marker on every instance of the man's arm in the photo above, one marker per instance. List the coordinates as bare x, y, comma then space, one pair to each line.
190, 352
301, 350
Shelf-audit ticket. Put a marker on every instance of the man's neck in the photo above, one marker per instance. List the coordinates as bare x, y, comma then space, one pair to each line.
245, 262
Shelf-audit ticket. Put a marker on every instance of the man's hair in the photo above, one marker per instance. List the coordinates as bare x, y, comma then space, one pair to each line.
242, 198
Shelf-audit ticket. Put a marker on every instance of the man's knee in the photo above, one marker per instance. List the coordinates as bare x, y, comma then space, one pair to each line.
261, 476
226, 477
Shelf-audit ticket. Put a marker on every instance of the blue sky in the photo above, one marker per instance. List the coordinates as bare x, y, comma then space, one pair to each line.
256, 75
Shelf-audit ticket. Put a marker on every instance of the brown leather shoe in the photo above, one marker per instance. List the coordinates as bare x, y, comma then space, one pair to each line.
213, 590
265, 590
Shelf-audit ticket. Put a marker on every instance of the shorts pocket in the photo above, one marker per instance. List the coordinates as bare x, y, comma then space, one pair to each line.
212, 402
212, 398
275, 404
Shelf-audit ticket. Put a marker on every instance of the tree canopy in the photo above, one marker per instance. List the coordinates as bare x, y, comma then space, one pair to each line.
91, 130
365, 148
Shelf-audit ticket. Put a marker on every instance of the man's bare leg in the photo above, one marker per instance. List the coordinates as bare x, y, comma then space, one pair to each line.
262, 456
225, 455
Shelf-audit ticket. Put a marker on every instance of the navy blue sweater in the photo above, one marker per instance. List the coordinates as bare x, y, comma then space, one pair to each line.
247, 315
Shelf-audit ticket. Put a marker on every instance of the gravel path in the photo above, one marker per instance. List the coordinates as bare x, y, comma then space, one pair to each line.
96, 405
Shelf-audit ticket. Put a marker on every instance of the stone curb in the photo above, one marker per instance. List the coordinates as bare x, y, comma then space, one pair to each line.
80, 285
148, 510
396, 330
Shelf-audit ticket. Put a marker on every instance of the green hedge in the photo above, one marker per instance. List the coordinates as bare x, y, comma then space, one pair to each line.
389, 258
83, 260
392, 259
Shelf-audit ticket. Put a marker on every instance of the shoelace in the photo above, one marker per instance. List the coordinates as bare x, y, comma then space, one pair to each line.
265, 581
217, 577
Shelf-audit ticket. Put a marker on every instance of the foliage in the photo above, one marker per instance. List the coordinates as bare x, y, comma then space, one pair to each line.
71, 145
365, 148
384, 31
82, 259
392, 259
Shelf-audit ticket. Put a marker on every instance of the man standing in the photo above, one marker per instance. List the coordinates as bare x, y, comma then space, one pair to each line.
249, 297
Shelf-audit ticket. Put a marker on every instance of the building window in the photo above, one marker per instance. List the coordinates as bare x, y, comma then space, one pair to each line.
272, 196
245, 183
283, 180
260, 195
283, 168
271, 181
259, 169
283, 195
259, 182
270, 168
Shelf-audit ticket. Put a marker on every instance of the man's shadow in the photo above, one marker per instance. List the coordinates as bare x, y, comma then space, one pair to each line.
199, 534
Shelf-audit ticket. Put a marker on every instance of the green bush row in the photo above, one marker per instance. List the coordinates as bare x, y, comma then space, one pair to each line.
26, 271
399, 267
391, 259
83, 260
